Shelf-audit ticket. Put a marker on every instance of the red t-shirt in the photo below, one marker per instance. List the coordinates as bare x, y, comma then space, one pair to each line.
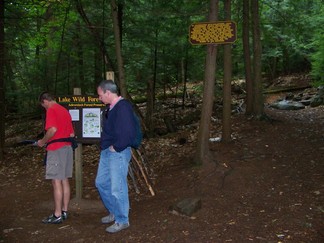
59, 117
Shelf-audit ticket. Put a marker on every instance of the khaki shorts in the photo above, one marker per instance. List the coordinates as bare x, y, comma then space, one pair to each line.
59, 163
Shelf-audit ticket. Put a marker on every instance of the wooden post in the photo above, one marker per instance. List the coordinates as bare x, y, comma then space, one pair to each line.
78, 162
78, 171
110, 76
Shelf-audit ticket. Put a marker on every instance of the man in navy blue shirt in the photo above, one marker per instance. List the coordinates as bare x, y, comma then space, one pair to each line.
117, 135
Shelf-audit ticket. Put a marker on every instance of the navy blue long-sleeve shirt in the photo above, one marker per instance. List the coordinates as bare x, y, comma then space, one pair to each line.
119, 127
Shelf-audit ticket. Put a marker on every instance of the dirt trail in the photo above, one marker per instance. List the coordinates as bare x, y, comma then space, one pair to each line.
274, 192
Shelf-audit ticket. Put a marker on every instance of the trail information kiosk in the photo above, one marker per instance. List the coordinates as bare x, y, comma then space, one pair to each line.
86, 112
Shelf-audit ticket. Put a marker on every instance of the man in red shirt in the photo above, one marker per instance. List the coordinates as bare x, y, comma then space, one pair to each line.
59, 158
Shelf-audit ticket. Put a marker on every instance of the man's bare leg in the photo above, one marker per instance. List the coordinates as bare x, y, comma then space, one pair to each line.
66, 194
58, 196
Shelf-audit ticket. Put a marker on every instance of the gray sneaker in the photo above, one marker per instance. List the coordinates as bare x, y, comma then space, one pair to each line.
52, 219
108, 219
64, 215
117, 227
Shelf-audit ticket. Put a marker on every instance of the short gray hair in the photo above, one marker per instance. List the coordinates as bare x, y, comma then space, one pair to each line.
45, 96
108, 85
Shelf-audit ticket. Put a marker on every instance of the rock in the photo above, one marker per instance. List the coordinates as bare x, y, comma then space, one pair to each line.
318, 99
305, 102
287, 105
187, 206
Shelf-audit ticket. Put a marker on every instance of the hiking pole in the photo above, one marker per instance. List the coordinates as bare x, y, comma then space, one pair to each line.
28, 142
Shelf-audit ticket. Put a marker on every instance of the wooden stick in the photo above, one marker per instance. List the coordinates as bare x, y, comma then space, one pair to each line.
144, 176
143, 161
131, 174
137, 174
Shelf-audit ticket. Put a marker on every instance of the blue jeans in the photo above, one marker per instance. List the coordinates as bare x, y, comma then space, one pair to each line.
111, 182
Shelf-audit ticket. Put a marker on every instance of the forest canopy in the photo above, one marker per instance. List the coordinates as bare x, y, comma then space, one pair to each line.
60, 44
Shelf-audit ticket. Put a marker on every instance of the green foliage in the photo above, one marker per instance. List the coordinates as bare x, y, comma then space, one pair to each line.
287, 31
318, 62
318, 47
50, 47
157, 41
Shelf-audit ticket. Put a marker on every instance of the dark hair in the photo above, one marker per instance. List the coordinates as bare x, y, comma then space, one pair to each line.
45, 96
108, 85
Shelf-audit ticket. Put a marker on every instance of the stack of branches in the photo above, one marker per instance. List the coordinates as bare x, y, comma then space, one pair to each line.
139, 173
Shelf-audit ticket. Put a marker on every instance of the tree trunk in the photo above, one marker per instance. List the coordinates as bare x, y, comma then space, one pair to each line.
247, 57
10, 105
58, 62
48, 74
155, 65
150, 91
257, 50
120, 62
96, 36
98, 66
79, 47
184, 78
203, 153
149, 107
2, 93
227, 99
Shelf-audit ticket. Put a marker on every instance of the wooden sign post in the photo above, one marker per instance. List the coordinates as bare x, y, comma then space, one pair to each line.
110, 76
78, 162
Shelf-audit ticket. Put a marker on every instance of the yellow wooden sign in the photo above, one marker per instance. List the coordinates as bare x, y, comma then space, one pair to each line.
220, 32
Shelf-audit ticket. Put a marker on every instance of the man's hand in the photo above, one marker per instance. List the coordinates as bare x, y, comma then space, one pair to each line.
41, 143
48, 135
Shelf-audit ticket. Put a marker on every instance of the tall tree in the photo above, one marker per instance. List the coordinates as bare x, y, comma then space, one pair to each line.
258, 106
80, 61
2, 64
151, 85
247, 57
118, 48
61, 47
96, 36
116, 12
203, 153
227, 99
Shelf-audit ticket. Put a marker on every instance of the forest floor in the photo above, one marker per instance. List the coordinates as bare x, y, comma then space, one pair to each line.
273, 190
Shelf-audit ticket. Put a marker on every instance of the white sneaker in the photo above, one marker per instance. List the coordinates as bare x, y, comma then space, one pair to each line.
108, 219
117, 227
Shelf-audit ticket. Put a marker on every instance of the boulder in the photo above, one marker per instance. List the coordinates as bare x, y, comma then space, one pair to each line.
318, 99
287, 105
186, 206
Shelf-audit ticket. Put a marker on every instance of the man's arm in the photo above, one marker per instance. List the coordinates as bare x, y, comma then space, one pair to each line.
48, 135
